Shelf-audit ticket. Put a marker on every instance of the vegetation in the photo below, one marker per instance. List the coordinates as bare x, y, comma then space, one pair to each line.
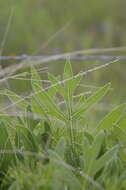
44, 27
49, 143
57, 135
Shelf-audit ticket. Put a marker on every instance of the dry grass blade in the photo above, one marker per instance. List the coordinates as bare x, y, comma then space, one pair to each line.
26, 63
6, 31
16, 76
52, 38
76, 96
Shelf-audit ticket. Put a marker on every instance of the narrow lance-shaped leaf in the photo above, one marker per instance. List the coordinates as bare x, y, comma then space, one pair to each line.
35, 78
122, 122
68, 73
60, 147
103, 160
48, 102
16, 100
56, 85
93, 152
95, 149
112, 118
91, 101
68, 96
27, 138
37, 109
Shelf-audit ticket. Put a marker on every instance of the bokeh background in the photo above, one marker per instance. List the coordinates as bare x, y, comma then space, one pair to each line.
88, 24
45, 27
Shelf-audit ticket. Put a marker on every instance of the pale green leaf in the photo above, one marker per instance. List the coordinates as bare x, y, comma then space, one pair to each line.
16, 100
112, 118
93, 99
103, 160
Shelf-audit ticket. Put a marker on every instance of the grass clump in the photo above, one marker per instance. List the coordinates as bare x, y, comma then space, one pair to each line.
48, 146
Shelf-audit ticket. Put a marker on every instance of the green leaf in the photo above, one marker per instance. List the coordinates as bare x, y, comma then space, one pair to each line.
68, 72
39, 110
16, 100
27, 137
44, 99
56, 86
72, 81
39, 129
91, 152
59, 151
112, 118
65, 177
89, 136
31, 121
86, 151
75, 83
61, 147
46, 136
35, 78
47, 127
93, 99
47, 102
97, 143
122, 122
103, 160
68, 96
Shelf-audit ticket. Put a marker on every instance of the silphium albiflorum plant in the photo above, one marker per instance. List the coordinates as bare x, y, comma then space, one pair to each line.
47, 145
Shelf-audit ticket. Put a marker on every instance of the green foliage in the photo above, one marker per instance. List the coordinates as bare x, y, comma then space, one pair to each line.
47, 149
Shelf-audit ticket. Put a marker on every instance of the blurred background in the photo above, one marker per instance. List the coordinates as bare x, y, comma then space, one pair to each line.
45, 27
84, 24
